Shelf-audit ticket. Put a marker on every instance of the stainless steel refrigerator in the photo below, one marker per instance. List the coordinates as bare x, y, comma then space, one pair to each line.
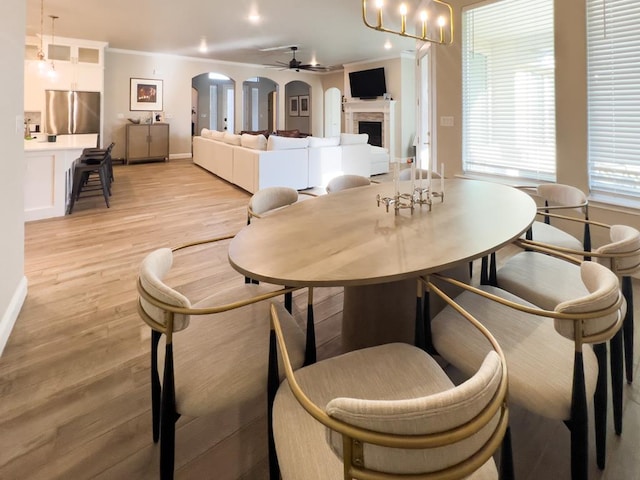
68, 112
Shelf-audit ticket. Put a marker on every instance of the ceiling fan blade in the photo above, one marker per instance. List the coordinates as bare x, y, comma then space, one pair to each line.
279, 47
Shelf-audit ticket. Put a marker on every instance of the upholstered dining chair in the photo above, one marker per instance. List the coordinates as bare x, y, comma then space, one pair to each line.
261, 204
545, 276
343, 182
387, 412
561, 202
213, 353
553, 371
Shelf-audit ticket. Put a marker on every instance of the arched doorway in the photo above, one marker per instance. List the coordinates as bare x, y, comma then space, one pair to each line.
332, 112
259, 99
298, 106
213, 107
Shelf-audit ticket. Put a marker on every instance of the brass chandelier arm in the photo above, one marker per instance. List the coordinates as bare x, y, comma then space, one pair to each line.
444, 34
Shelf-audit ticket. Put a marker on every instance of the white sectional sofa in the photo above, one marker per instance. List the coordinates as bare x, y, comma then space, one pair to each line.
252, 162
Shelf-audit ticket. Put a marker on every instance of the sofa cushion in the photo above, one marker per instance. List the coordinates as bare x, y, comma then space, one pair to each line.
315, 142
276, 142
353, 138
288, 133
232, 139
216, 135
256, 142
205, 132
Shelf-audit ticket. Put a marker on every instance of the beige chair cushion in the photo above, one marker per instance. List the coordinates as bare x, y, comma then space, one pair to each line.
548, 281
540, 361
221, 360
394, 373
541, 232
271, 198
560, 194
152, 270
624, 239
343, 182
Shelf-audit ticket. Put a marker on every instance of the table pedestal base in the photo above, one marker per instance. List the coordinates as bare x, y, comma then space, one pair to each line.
386, 312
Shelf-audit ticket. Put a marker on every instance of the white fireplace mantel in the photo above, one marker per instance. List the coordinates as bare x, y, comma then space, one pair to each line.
357, 110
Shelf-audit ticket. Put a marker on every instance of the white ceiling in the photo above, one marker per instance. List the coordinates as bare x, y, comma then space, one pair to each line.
332, 31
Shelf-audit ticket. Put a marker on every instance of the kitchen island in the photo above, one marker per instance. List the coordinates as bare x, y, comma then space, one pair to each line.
48, 173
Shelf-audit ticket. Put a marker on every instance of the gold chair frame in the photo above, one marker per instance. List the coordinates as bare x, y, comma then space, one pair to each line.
354, 437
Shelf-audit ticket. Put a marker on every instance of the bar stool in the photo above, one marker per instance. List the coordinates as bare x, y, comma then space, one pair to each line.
82, 170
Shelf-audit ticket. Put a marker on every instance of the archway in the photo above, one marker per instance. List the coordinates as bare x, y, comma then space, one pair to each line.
298, 106
214, 108
259, 96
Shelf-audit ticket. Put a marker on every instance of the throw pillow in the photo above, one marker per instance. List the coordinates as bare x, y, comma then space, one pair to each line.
288, 133
204, 133
256, 132
255, 142
231, 139
315, 142
353, 138
216, 135
276, 142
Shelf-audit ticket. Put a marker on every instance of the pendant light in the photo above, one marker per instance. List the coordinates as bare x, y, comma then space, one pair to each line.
52, 71
40, 53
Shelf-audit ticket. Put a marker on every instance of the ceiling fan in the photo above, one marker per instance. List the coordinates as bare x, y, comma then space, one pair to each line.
297, 65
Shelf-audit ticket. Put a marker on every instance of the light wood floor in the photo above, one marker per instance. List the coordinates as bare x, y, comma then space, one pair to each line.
74, 381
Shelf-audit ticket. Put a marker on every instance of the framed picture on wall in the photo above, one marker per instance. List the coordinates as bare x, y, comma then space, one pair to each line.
145, 95
303, 105
293, 107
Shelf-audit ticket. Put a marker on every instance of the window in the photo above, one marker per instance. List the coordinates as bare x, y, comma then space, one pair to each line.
508, 90
613, 42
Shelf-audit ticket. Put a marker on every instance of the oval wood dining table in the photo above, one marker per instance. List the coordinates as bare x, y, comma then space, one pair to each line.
346, 239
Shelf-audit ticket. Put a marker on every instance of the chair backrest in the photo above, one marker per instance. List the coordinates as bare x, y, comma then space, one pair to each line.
623, 251
153, 269
563, 195
599, 311
270, 198
344, 182
405, 174
442, 412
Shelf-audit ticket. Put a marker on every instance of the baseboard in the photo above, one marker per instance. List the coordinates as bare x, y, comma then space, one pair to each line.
176, 156
11, 313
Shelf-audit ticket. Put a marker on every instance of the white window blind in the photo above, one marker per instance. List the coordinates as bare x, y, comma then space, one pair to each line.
508, 90
613, 40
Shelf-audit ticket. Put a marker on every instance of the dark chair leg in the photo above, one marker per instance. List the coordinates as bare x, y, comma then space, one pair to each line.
288, 301
273, 382
310, 347
506, 457
579, 423
627, 326
484, 271
600, 404
103, 181
493, 272
420, 338
617, 367
168, 418
156, 389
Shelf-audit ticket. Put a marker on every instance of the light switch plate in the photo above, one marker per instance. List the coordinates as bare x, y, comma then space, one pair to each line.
446, 121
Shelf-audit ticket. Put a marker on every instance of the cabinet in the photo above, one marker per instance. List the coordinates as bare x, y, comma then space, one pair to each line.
147, 142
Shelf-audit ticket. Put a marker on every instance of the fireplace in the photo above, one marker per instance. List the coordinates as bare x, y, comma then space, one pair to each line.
380, 112
374, 130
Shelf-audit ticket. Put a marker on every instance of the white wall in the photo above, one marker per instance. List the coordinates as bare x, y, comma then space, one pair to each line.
176, 73
13, 284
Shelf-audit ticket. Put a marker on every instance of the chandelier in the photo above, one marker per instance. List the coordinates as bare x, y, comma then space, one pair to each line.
433, 23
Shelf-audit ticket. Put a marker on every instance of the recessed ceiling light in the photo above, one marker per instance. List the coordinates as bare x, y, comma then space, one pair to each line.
203, 45
387, 44
254, 18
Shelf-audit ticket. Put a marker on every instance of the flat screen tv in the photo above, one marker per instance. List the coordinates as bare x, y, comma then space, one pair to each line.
367, 84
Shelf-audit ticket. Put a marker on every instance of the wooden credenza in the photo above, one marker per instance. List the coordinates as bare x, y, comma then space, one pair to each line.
147, 142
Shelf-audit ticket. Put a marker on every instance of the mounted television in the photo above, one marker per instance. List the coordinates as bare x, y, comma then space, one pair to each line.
368, 84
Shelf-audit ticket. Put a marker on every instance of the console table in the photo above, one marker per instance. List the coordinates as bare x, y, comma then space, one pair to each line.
147, 142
